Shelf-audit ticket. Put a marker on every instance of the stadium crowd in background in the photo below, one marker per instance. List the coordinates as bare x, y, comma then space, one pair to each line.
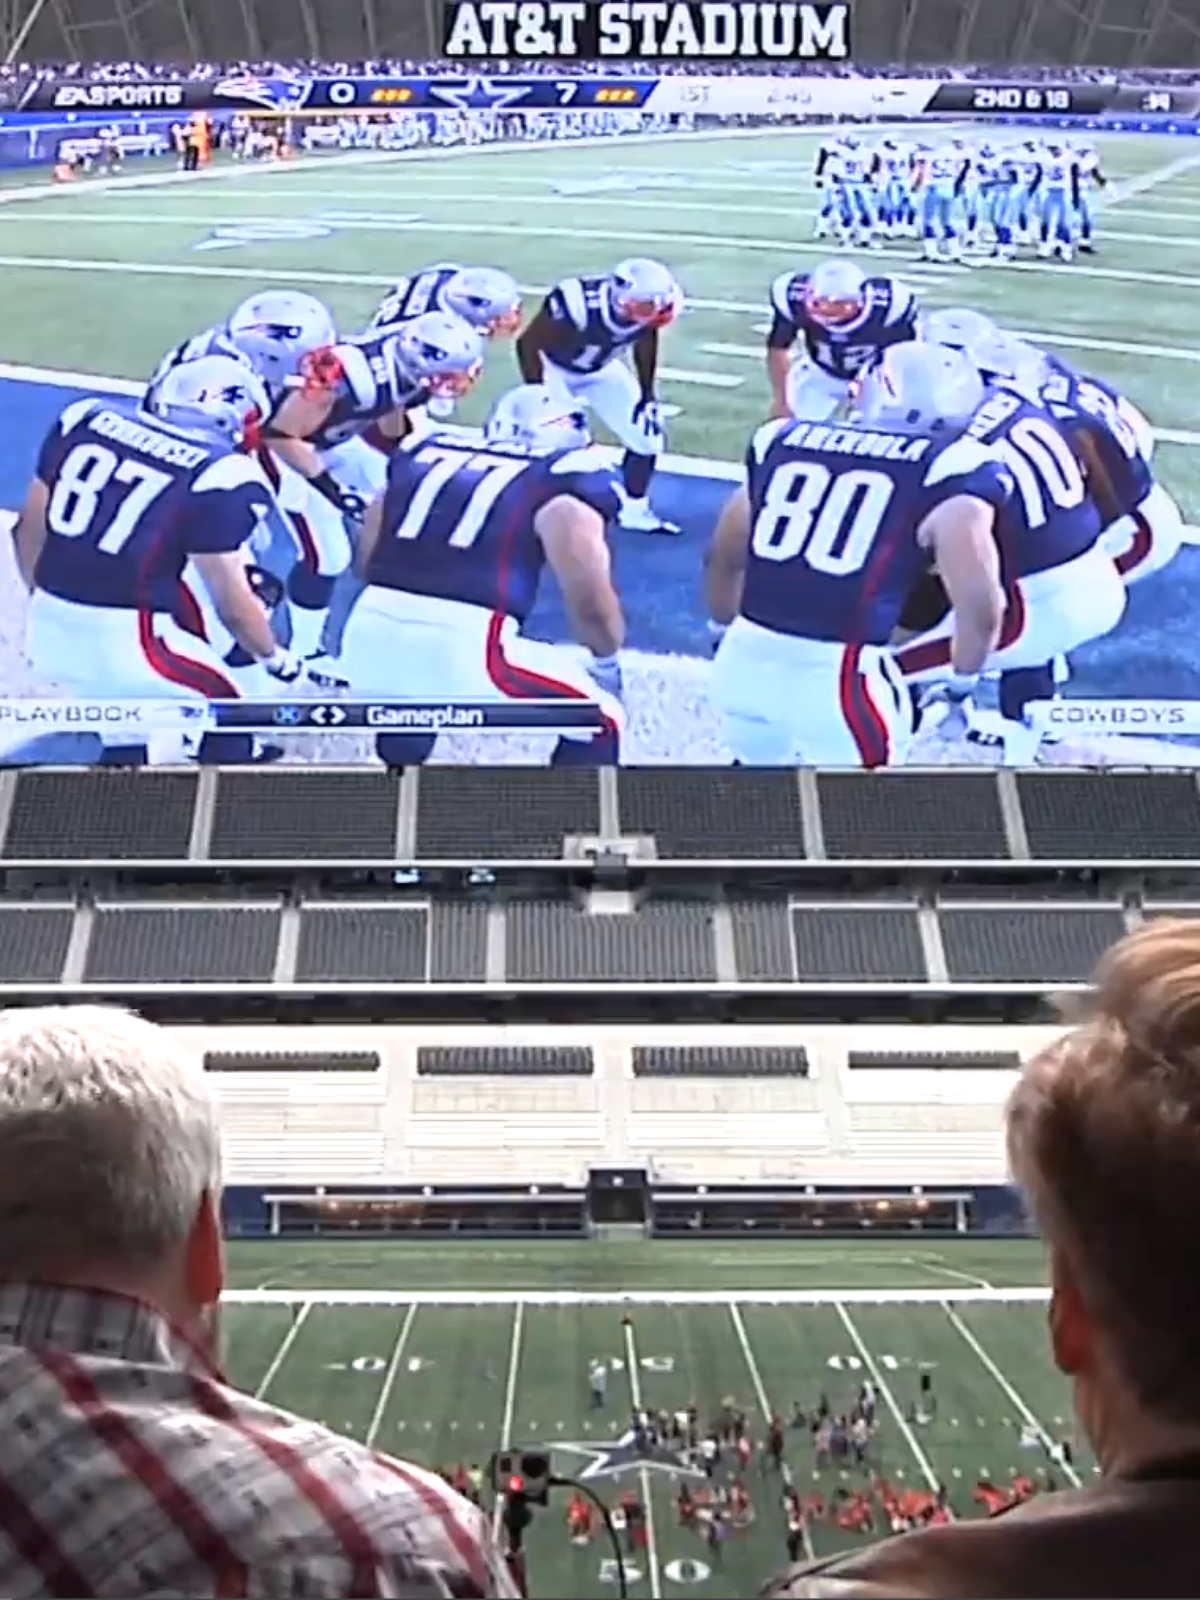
127, 1464
1103, 1139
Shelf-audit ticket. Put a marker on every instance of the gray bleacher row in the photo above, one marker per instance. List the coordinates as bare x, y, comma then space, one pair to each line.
446, 941
578, 1061
487, 814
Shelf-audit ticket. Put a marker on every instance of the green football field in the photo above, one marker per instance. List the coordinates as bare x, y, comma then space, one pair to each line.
452, 1351
103, 279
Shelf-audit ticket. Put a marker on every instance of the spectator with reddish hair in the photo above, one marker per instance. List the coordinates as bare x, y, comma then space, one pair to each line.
128, 1466
1104, 1139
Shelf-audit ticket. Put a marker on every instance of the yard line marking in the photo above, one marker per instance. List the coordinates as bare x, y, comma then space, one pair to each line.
389, 1377
510, 1399
764, 1403
949, 1272
1010, 1393
1176, 436
1120, 192
635, 1396
285, 1350
1161, 352
706, 380
881, 1384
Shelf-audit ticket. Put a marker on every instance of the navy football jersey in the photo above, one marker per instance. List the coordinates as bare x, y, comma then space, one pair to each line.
366, 388
835, 511
1050, 519
212, 342
412, 297
889, 316
1089, 410
588, 332
458, 519
131, 500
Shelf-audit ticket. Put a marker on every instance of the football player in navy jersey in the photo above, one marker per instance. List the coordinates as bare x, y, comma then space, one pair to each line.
453, 554
1062, 587
486, 297
335, 429
814, 557
576, 341
843, 318
121, 504
271, 332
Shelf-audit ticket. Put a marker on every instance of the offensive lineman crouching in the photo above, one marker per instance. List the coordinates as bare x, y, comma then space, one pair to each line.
575, 343
452, 554
843, 319
119, 507
813, 559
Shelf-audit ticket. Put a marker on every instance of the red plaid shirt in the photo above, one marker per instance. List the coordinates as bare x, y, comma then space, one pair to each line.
129, 1467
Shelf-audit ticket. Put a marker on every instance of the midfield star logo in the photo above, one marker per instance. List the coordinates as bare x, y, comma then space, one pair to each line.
609, 1458
477, 94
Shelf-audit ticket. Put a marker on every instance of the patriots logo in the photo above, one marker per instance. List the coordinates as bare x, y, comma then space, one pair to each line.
477, 94
609, 1458
272, 94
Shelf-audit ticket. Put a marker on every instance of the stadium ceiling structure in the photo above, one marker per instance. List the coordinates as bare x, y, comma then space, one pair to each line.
1117, 34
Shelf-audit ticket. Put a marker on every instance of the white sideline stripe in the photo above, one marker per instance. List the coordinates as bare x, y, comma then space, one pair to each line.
307, 162
631, 1297
889, 1399
285, 1350
975, 1345
683, 466
389, 1377
1165, 352
633, 1369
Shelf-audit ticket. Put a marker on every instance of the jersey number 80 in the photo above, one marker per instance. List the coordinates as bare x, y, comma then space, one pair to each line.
831, 521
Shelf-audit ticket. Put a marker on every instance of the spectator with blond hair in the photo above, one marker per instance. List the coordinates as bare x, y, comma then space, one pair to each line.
128, 1466
1104, 1139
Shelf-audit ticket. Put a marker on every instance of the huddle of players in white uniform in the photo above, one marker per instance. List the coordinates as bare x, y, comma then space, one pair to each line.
934, 504
961, 194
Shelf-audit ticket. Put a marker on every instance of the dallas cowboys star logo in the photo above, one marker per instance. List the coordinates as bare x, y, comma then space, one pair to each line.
477, 94
609, 1458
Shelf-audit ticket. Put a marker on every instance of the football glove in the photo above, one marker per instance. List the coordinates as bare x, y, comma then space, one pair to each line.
605, 671
283, 665
648, 412
945, 706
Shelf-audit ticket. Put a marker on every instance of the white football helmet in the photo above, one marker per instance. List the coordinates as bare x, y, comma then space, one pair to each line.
486, 297
216, 397
835, 293
957, 327
645, 292
275, 330
537, 419
438, 352
920, 387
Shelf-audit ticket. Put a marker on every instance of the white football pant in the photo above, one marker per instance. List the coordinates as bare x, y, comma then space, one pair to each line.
813, 395
416, 647
1048, 615
1147, 539
612, 393
786, 701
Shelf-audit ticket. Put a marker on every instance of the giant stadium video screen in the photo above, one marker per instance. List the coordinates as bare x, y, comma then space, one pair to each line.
693, 256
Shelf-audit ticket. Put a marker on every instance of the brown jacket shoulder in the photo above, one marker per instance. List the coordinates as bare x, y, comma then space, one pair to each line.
1112, 1540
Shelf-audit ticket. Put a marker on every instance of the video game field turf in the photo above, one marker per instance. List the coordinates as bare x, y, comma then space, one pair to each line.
469, 1346
103, 276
